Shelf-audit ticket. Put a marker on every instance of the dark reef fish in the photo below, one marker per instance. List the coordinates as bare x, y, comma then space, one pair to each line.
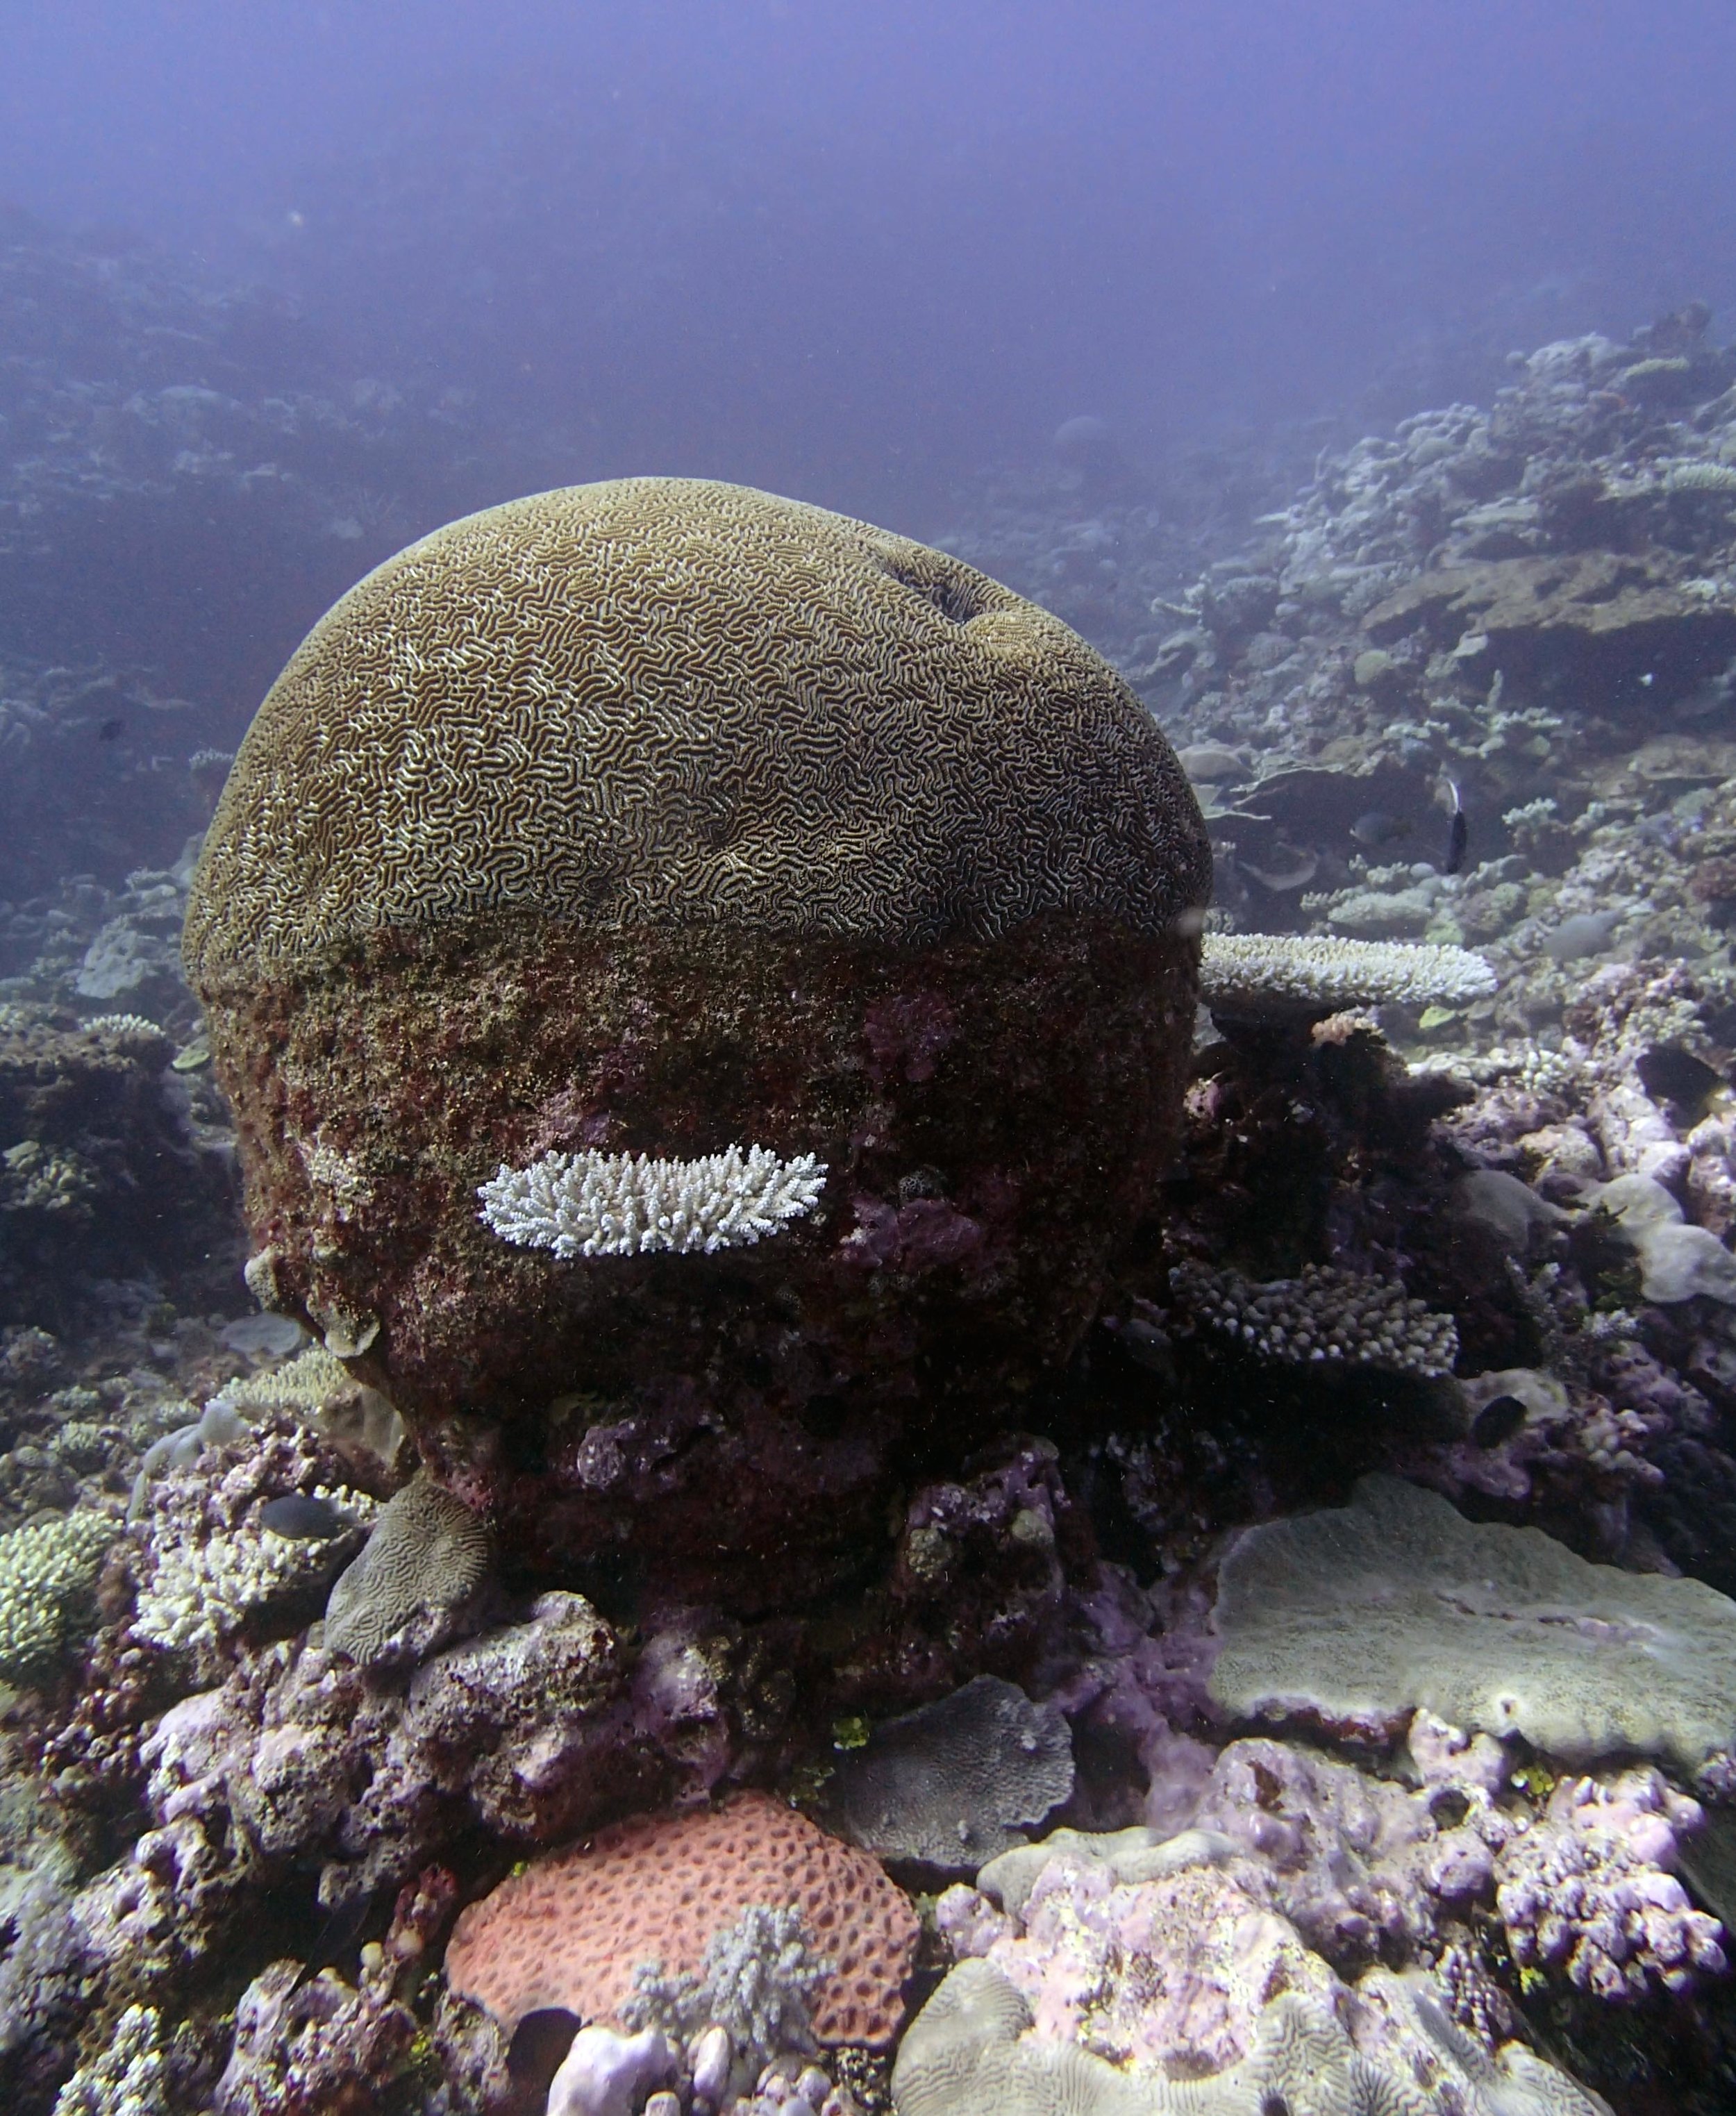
302, 1518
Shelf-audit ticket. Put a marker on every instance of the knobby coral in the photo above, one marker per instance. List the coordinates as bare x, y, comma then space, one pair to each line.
1352, 1318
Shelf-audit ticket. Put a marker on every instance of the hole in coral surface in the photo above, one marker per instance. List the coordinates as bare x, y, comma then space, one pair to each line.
540, 2041
955, 593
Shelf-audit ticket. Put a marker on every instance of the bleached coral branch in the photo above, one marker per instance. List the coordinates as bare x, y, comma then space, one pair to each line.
620, 1204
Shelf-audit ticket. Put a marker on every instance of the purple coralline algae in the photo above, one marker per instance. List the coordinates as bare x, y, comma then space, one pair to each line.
1587, 1891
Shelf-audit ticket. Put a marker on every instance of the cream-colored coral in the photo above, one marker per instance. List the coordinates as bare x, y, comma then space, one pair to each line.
35, 1178
1286, 974
128, 2077
620, 1204
48, 1572
210, 1577
1327, 1316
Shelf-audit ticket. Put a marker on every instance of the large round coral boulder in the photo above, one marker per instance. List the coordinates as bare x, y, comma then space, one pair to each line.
658, 818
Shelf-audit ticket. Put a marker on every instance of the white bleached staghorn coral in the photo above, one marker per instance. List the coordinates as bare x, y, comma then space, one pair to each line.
1352, 1318
621, 1204
1259, 974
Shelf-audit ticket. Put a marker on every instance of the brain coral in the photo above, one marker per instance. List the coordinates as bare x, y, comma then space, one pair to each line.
427, 1556
661, 700
605, 828
569, 1931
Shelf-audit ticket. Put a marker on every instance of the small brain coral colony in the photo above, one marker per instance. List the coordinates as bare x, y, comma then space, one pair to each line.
687, 955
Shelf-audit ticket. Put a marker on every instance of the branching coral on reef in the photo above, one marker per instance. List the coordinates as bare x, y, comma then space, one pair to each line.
47, 1573
212, 1564
759, 1976
129, 2078
1276, 973
1355, 1615
622, 1204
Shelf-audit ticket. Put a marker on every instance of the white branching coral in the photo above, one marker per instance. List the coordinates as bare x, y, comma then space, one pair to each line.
1352, 1318
212, 1559
1533, 1066
621, 1204
1261, 973
760, 1975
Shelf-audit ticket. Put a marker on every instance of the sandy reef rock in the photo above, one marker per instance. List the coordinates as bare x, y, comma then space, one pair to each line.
660, 818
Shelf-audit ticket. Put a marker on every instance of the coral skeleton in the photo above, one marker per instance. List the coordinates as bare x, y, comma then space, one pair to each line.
621, 1204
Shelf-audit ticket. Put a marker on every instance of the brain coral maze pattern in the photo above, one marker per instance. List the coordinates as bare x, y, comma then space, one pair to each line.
662, 699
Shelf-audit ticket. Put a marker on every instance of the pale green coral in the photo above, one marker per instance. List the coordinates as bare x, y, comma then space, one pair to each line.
47, 1573
129, 2078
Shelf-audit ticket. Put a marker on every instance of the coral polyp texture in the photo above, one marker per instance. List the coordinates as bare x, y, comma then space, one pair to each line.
623, 1204
570, 1931
1262, 974
1345, 1318
1356, 1615
607, 827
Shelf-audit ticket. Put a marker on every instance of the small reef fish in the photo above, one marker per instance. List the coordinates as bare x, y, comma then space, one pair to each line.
300, 1517
1378, 828
1586, 934
1458, 832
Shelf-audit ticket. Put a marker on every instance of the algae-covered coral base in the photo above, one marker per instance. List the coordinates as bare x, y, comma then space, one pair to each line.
979, 1178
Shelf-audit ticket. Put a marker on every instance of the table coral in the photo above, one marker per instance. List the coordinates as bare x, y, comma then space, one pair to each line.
1356, 1615
1274, 974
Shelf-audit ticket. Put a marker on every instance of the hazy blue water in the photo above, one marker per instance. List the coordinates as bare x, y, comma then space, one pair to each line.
851, 251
